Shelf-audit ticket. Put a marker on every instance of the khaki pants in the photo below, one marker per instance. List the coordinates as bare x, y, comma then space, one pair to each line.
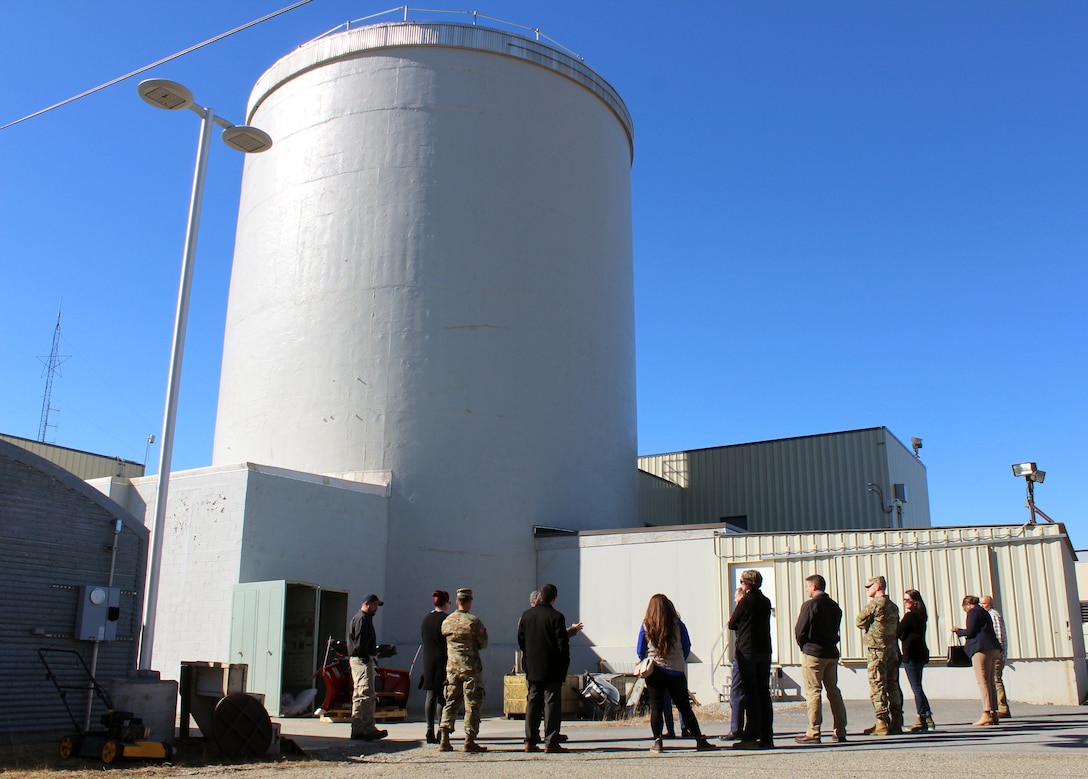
821, 673
363, 673
984, 661
470, 689
999, 685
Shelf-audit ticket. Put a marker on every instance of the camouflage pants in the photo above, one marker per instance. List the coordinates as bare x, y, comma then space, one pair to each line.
884, 689
470, 689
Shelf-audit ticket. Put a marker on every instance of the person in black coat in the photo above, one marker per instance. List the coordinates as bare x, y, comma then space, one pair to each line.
752, 621
915, 654
545, 646
434, 660
984, 650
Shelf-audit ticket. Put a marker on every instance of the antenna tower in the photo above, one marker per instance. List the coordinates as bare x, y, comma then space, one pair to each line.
52, 367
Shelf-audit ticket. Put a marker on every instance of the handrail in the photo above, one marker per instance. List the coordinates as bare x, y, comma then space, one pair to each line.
404, 10
718, 661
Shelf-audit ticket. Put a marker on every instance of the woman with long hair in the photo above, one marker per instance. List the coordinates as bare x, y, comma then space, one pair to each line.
912, 638
434, 660
664, 639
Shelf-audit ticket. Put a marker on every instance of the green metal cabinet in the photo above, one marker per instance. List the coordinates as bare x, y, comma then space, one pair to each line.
279, 629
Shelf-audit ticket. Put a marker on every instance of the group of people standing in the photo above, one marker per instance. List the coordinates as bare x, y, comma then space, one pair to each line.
453, 671
892, 641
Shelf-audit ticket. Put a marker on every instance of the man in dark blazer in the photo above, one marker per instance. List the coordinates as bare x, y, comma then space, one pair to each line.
542, 636
752, 621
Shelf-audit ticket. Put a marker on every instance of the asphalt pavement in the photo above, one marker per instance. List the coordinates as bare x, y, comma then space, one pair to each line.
1035, 742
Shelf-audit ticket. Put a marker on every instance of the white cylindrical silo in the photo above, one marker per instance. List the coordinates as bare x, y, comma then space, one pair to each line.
433, 277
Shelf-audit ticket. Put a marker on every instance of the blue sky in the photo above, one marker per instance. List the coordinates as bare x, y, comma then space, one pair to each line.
846, 215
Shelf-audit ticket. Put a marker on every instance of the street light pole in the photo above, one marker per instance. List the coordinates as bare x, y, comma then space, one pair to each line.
172, 97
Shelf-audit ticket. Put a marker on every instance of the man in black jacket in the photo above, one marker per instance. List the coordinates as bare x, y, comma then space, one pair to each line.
817, 633
542, 636
752, 621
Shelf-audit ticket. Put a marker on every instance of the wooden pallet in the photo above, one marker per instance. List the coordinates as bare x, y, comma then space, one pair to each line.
389, 713
382, 713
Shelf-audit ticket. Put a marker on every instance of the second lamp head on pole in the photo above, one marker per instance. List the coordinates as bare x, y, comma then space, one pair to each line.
172, 96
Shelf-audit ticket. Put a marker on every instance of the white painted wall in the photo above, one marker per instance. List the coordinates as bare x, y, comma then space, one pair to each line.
246, 523
433, 277
607, 579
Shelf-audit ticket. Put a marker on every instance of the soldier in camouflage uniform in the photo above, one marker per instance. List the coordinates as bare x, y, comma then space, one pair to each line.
465, 637
879, 619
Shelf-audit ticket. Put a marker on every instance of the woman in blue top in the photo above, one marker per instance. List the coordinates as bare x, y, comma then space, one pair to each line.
664, 639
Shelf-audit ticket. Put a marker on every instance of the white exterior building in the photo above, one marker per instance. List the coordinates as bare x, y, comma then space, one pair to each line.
608, 578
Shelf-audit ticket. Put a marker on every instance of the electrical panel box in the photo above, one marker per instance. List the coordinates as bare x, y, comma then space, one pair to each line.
900, 492
98, 613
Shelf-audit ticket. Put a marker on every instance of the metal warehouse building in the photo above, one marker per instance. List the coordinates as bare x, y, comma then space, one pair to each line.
836, 481
60, 539
85, 465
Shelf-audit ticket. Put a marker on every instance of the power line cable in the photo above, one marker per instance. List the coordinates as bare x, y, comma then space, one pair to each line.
156, 64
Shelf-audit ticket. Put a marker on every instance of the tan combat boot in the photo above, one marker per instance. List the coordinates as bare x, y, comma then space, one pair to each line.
880, 728
472, 747
444, 740
919, 727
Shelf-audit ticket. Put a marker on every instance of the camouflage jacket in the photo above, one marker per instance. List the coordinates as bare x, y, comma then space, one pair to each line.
879, 619
465, 637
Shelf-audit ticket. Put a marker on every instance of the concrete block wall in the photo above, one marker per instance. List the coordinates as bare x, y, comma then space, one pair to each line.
202, 544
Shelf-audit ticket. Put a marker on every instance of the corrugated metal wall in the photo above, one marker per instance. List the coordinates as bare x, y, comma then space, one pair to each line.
660, 502
1024, 568
56, 534
813, 483
85, 465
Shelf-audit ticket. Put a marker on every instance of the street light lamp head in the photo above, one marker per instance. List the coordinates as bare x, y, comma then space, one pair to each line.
162, 93
246, 139
915, 444
1024, 469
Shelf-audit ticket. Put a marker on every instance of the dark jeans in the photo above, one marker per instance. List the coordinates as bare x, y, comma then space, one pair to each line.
657, 684
736, 701
914, 676
544, 701
433, 707
755, 678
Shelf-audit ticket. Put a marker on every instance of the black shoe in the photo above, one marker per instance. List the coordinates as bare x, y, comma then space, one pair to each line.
732, 736
431, 737
358, 735
840, 738
746, 745
554, 749
563, 738
374, 735
766, 745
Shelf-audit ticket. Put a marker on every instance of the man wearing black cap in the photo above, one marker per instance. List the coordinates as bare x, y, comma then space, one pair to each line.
362, 647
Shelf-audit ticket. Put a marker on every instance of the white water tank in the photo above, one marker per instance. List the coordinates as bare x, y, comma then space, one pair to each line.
433, 277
